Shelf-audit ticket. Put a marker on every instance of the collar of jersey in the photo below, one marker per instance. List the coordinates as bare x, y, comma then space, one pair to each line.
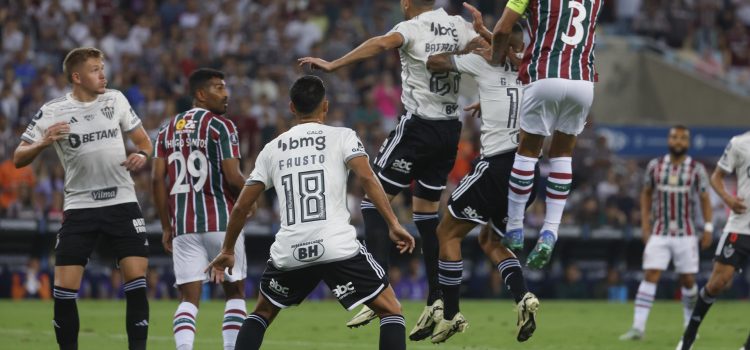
81, 103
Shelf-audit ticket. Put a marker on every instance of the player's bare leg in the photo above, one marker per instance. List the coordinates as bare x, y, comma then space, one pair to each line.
184, 322
392, 324
65, 321
512, 275
450, 232
689, 291
235, 312
136, 316
254, 327
720, 280
644, 300
379, 246
426, 220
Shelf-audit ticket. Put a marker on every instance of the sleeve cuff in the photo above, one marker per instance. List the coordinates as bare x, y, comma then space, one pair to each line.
355, 155
518, 6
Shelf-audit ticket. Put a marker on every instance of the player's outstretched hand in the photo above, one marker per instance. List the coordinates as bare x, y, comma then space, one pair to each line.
475, 109
56, 132
316, 63
216, 268
706, 240
737, 205
134, 162
166, 240
477, 21
403, 239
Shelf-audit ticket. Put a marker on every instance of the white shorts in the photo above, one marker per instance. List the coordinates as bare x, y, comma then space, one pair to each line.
192, 252
683, 251
555, 104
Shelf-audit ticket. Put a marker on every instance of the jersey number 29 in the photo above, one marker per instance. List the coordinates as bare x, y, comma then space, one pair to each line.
200, 171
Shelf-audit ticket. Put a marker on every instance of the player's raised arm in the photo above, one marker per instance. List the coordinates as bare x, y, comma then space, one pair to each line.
374, 191
503, 29
372, 47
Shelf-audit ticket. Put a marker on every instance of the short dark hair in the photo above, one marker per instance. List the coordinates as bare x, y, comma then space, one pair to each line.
76, 57
680, 127
424, 3
307, 93
200, 77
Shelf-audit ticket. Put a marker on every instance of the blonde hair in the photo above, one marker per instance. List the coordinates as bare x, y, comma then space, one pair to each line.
78, 56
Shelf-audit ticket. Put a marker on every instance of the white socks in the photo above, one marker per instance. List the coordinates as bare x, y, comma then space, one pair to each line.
689, 298
234, 315
558, 188
520, 184
183, 325
643, 302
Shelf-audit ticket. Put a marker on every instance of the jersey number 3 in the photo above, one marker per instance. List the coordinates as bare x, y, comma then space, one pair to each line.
199, 170
577, 23
312, 196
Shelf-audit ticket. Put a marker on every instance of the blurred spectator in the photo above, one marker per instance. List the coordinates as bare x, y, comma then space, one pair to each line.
573, 286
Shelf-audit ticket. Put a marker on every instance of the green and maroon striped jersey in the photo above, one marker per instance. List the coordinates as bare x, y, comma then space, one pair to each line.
563, 38
194, 143
676, 190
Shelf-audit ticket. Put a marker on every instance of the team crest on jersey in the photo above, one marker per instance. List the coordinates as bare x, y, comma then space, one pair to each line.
234, 139
108, 112
728, 251
38, 115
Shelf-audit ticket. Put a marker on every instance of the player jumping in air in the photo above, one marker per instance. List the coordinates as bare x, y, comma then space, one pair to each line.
558, 73
423, 146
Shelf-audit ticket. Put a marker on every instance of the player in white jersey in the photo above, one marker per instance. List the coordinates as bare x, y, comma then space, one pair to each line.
86, 127
423, 146
308, 166
733, 250
475, 201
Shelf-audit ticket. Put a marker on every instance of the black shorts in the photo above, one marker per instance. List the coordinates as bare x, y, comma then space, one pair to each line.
482, 195
418, 149
733, 249
354, 281
122, 226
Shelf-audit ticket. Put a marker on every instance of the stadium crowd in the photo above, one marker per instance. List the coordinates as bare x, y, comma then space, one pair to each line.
151, 47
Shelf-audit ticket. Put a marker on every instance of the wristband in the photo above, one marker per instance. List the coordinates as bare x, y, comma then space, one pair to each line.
142, 153
709, 226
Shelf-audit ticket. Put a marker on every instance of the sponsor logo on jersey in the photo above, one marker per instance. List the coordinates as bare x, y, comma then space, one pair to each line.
440, 47
108, 112
76, 140
471, 213
89, 117
401, 165
308, 251
104, 194
318, 142
439, 30
343, 291
139, 225
184, 126
38, 115
278, 288
360, 147
728, 251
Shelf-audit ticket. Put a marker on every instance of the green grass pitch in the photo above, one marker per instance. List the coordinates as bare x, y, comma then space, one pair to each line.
320, 325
